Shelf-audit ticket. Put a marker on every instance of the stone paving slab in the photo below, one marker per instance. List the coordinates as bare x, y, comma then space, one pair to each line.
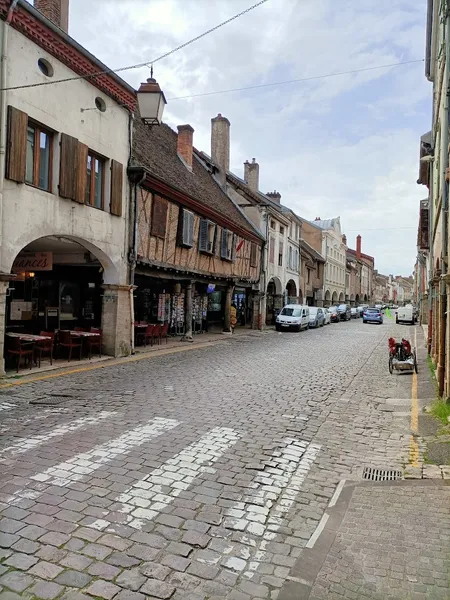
379, 541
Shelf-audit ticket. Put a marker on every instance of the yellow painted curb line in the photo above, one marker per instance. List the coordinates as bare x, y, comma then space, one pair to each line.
112, 363
413, 445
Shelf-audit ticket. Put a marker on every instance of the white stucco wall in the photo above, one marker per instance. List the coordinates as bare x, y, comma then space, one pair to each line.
334, 252
30, 213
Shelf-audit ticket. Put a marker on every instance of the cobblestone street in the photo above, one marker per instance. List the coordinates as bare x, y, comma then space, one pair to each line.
204, 474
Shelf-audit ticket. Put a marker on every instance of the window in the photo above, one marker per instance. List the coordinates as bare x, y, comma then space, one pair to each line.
206, 235
280, 254
272, 225
272, 250
281, 230
45, 67
227, 245
290, 263
186, 228
309, 276
38, 162
95, 180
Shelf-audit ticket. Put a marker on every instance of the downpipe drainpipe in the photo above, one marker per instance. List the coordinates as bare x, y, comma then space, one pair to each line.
263, 278
3, 115
443, 284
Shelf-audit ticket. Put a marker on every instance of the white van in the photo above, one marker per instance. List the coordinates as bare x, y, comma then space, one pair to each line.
293, 316
405, 314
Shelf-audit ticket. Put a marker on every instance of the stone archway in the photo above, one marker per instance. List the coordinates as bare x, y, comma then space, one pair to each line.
357, 299
365, 297
66, 281
327, 298
341, 297
352, 299
334, 298
274, 300
291, 292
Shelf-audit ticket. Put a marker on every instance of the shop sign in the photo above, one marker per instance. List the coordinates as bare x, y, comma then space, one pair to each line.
33, 261
211, 288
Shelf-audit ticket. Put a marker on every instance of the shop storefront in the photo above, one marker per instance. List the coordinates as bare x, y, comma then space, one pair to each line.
57, 297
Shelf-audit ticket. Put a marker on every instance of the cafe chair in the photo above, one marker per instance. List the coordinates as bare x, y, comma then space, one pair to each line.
67, 341
19, 348
164, 332
45, 346
95, 342
149, 334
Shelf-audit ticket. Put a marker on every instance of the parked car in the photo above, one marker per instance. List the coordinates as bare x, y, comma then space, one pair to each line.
354, 312
293, 316
334, 314
373, 315
316, 317
405, 314
327, 316
360, 310
344, 312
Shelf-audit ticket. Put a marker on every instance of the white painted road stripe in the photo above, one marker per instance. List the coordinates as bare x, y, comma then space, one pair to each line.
320, 527
25, 444
145, 499
337, 493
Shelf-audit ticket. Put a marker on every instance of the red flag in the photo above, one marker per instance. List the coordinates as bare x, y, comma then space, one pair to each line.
239, 246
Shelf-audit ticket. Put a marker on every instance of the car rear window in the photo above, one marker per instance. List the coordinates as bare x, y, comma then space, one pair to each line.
372, 310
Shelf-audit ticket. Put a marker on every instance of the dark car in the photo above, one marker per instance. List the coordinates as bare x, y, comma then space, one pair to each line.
345, 312
372, 315
334, 314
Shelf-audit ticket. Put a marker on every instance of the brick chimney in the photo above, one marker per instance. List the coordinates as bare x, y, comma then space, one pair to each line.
274, 196
56, 11
184, 143
251, 174
358, 246
220, 146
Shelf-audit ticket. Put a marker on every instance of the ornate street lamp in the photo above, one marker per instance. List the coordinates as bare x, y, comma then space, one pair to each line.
151, 101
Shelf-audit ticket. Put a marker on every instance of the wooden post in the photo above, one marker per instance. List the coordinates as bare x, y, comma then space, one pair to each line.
188, 314
228, 300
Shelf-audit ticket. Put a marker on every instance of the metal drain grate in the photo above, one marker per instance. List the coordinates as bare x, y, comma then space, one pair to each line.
373, 474
51, 400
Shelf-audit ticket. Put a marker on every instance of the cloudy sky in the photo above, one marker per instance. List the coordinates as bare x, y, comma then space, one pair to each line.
339, 146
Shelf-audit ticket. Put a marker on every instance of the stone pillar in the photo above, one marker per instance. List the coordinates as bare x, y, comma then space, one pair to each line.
188, 314
228, 300
3, 290
117, 320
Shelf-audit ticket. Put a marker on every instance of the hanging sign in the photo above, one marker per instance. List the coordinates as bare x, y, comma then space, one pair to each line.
33, 261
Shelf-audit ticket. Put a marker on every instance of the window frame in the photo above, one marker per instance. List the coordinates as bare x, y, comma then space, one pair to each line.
211, 228
38, 129
102, 160
280, 253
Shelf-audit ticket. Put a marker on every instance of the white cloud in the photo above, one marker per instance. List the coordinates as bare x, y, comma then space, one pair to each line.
345, 145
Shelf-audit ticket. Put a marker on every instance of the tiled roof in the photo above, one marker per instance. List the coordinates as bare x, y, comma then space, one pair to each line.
155, 149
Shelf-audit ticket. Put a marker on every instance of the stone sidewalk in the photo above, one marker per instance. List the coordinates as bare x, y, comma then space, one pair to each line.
381, 542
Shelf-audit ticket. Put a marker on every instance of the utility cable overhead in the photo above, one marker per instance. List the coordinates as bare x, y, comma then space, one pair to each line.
140, 65
264, 85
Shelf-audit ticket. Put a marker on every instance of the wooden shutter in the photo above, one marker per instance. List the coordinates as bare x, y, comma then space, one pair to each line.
253, 250
272, 250
81, 181
203, 235
16, 156
116, 188
224, 244
188, 228
68, 169
159, 217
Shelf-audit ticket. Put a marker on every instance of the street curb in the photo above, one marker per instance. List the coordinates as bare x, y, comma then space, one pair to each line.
305, 571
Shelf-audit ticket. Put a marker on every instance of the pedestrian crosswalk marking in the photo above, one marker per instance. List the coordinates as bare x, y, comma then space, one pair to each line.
31, 443
77, 467
146, 498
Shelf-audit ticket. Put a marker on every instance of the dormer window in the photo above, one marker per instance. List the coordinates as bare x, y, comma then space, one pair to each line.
207, 233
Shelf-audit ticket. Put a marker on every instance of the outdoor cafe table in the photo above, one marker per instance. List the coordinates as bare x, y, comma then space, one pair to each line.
28, 337
84, 334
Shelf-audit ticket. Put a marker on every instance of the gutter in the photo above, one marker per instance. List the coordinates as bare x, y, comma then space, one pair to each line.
3, 115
